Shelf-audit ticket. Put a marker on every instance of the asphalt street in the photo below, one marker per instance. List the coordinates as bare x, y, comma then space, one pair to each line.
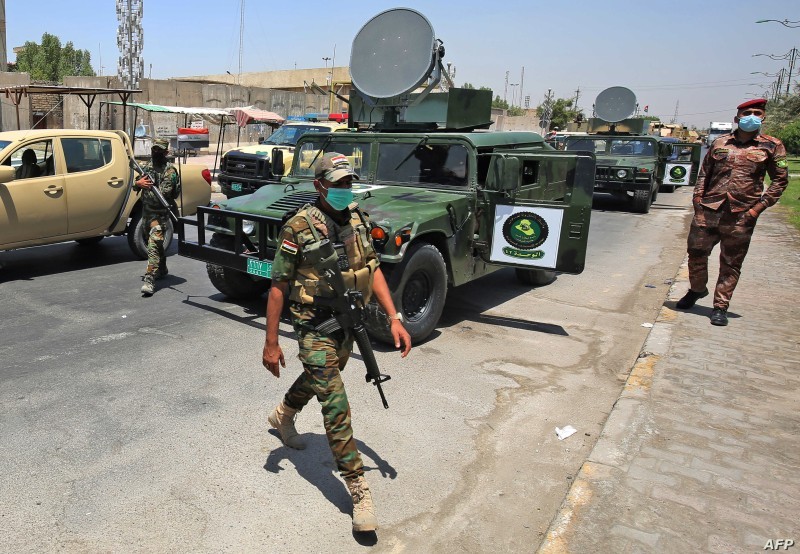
133, 424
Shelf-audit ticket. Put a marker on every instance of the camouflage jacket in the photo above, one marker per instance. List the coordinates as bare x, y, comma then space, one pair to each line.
350, 236
167, 181
735, 171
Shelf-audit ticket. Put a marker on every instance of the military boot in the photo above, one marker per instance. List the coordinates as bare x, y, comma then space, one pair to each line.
149, 286
282, 419
363, 509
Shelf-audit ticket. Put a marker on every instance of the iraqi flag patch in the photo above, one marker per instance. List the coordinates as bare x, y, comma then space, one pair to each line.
289, 246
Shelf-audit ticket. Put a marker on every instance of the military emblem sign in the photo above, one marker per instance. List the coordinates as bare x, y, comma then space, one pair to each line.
678, 174
524, 235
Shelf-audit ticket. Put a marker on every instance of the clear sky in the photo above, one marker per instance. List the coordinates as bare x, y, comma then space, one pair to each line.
695, 53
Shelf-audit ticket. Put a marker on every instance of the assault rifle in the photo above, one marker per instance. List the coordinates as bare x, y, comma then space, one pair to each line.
155, 190
348, 307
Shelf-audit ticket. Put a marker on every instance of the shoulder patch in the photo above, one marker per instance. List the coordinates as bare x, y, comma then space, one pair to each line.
782, 163
289, 247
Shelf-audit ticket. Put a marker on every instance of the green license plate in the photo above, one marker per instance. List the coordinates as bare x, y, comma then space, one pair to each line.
259, 268
236, 187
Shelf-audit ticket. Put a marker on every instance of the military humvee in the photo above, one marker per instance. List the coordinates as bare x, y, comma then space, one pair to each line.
447, 203
630, 163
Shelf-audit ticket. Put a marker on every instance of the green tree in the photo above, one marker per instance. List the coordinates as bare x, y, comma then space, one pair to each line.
562, 113
49, 61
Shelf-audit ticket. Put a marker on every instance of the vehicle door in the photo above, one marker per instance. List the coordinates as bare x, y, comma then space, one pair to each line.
96, 181
683, 165
33, 205
536, 209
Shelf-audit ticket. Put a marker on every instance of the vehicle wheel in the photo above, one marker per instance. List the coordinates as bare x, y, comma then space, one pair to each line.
667, 188
535, 277
419, 289
137, 235
642, 199
91, 241
232, 283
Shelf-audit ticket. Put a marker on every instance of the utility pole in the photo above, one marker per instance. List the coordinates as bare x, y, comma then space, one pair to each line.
675, 117
521, 85
505, 91
577, 95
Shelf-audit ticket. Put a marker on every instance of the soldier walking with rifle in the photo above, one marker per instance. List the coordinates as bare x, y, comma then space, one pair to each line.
159, 184
326, 265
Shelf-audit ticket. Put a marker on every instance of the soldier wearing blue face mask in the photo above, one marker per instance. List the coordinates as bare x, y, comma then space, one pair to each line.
728, 198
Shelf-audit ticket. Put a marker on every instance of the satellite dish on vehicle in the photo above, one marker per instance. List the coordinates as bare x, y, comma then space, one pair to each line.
615, 104
393, 54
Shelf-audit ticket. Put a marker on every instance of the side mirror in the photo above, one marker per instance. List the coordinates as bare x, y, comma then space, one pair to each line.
7, 173
278, 167
504, 174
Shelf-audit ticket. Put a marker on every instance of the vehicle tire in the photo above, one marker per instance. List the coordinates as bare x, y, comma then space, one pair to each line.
535, 277
234, 284
91, 241
642, 199
419, 289
137, 236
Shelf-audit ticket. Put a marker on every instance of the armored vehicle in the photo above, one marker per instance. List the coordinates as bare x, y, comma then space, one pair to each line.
630, 163
447, 203
245, 170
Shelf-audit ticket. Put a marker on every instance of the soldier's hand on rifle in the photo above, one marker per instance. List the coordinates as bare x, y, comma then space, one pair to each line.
144, 182
400, 335
271, 357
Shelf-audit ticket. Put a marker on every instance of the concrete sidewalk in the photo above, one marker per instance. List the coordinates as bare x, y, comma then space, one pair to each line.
701, 451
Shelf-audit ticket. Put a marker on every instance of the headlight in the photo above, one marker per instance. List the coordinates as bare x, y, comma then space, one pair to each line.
248, 226
622, 173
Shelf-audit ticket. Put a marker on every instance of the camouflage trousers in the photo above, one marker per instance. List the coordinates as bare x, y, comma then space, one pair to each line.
732, 232
154, 225
324, 358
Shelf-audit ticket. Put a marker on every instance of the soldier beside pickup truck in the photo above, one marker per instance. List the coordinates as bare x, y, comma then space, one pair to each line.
80, 188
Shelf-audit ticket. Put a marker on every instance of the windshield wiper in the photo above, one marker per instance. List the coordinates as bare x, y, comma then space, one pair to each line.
322, 148
422, 141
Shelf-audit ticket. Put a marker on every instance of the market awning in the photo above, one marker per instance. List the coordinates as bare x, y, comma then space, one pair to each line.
252, 114
219, 112
87, 94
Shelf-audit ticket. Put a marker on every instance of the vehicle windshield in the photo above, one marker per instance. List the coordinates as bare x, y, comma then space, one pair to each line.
4, 143
444, 164
288, 135
357, 152
613, 147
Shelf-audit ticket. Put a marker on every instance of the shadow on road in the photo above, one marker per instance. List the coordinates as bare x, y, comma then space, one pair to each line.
471, 301
38, 261
316, 465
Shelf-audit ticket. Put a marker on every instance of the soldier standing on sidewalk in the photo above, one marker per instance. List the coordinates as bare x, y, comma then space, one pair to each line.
162, 174
335, 217
728, 198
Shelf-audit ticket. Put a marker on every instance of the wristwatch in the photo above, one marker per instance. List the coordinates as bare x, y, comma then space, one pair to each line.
398, 316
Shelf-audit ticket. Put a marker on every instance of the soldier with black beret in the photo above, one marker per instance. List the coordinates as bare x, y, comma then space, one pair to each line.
728, 198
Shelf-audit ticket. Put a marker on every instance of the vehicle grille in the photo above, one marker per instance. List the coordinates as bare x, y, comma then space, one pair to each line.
295, 200
240, 166
603, 174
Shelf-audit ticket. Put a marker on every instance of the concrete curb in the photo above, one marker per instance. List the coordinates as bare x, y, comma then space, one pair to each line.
631, 410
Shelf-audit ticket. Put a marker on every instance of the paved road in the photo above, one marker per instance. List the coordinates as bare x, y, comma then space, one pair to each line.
139, 424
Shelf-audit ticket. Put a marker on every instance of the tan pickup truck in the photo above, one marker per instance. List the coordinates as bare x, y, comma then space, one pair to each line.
65, 184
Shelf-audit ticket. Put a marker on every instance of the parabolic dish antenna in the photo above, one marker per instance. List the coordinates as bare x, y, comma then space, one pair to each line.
392, 54
615, 104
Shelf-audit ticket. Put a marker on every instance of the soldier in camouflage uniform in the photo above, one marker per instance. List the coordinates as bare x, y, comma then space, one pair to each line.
336, 217
162, 174
728, 198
